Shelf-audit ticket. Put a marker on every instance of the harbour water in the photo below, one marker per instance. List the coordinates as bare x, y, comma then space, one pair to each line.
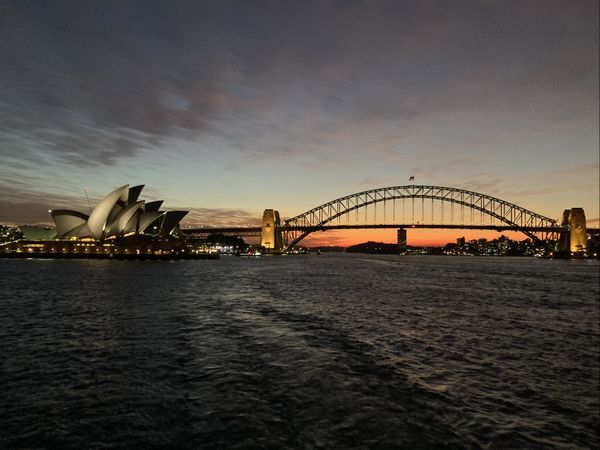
330, 351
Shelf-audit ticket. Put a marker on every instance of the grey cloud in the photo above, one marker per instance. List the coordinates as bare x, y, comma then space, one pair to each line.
22, 213
539, 183
221, 217
21, 203
484, 184
369, 182
94, 84
238, 62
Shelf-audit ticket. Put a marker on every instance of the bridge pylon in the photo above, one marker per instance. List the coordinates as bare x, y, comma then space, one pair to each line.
573, 241
271, 237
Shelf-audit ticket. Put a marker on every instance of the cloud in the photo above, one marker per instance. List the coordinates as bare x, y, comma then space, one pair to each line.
368, 182
544, 182
20, 205
26, 213
221, 217
349, 91
333, 238
211, 66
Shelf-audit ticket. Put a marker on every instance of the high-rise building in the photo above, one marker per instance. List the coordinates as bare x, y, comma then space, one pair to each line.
401, 238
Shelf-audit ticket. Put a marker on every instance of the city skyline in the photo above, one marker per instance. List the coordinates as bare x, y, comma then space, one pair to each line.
227, 109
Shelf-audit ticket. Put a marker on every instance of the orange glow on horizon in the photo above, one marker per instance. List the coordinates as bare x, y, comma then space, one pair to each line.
415, 237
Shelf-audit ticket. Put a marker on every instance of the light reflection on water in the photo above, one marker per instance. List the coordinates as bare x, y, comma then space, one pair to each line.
330, 351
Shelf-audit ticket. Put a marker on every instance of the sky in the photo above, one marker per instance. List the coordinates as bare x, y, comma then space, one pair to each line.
226, 108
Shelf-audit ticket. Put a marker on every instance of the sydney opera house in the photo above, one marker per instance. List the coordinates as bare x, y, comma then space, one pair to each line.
120, 226
119, 214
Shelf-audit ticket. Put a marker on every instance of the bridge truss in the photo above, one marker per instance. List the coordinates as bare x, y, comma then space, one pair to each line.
444, 207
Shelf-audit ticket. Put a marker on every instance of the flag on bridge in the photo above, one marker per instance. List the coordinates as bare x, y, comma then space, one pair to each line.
411, 179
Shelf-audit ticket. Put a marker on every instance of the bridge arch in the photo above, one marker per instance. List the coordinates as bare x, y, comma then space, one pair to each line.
506, 212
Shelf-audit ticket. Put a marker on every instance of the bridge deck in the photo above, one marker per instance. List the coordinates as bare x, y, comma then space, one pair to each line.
257, 230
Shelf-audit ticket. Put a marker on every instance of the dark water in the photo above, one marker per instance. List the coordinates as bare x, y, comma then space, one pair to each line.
331, 351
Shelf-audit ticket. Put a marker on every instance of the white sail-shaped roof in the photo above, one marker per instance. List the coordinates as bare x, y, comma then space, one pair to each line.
67, 221
171, 220
117, 214
120, 222
134, 193
81, 231
99, 216
153, 206
148, 219
114, 213
132, 225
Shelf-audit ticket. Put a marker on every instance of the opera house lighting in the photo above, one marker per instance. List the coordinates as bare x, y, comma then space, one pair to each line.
120, 227
119, 214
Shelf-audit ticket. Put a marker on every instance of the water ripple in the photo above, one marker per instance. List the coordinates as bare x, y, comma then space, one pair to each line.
335, 351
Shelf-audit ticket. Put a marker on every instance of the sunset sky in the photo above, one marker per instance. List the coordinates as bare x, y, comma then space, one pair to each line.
226, 108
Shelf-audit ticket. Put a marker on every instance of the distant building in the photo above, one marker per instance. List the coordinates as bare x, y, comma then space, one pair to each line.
9, 234
401, 238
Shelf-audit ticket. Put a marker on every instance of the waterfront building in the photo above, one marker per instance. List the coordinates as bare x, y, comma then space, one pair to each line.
120, 226
118, 215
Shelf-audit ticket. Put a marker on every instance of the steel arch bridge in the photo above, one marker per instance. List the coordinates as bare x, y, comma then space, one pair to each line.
512, 216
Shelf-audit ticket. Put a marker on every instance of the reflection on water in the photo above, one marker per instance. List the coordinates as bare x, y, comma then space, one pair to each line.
335, 351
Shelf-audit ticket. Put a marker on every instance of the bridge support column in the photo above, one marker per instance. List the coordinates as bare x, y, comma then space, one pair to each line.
574, 240
270, 237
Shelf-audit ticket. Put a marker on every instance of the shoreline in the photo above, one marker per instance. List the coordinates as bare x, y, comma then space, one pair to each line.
107, 256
